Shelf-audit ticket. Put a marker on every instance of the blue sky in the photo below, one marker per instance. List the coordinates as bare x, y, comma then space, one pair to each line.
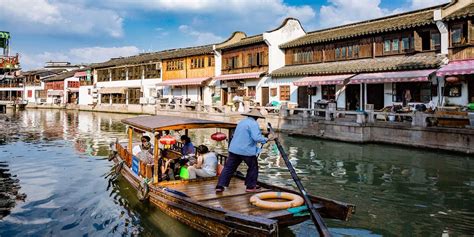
85, 31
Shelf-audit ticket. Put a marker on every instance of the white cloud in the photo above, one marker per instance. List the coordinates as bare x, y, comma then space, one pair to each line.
200, 37
54, 17
340, 12
77, 55
418, 4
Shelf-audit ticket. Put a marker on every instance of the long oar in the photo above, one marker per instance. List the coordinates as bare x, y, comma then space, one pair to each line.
317, 219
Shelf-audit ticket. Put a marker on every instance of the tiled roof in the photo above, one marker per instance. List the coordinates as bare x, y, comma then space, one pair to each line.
244, 42
391, 23
62, 76
461, 13
156, 56
393, 63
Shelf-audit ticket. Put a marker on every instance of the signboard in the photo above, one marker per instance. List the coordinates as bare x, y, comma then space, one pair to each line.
88, 75
135, 164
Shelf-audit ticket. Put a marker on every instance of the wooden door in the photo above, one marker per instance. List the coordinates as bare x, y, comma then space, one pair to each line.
224, 96
265, 96
353, 97
375, 95
303, 97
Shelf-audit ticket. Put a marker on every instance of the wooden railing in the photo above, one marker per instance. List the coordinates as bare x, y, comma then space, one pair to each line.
124, 154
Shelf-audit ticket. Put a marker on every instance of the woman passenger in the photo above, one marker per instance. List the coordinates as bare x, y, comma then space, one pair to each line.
206, 164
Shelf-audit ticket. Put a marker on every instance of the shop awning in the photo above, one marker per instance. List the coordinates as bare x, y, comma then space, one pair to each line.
400, 76
460, 67
185, 82
250, 75
322, 80
112, 90
55, 93
80, 74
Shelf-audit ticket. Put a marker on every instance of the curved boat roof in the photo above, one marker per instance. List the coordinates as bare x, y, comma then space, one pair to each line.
162, 122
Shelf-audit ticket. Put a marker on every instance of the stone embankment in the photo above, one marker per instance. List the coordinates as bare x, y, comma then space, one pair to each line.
347, 126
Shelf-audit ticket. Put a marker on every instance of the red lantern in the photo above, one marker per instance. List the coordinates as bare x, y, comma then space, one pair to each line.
218, 136
452, 79
168, 140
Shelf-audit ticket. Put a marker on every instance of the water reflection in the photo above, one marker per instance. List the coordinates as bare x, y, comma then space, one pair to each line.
60, 159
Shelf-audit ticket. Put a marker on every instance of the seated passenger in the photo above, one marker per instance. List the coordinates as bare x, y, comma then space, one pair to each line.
136, 149
188, 147
206, 164
146, 153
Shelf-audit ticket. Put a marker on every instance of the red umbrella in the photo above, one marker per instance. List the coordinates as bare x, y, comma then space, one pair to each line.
218, 136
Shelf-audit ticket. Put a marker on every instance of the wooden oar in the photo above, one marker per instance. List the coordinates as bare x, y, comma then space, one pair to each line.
317, 219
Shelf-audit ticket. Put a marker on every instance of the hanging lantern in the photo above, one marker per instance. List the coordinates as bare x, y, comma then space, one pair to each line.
452, 79
218, 136
167, 140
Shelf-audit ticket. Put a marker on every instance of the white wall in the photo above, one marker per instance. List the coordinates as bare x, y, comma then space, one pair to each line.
290, 31
277, 82
84, 97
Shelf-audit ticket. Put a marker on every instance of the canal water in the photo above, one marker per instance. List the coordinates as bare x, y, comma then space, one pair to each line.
60, 158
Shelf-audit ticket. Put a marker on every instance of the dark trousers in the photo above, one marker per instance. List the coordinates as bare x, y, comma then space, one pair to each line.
231, 164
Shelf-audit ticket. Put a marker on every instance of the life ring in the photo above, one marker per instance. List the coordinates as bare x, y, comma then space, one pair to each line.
293, 200
143, 190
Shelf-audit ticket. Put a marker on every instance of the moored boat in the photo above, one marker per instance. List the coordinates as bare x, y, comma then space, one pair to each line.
195, 202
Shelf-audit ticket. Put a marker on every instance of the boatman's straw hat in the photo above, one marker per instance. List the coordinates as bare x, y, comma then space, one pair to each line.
254, 113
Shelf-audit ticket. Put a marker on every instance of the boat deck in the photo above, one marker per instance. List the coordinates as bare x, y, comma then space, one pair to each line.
234, 198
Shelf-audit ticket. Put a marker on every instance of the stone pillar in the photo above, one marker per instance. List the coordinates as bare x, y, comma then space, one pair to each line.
369, 109
360, 118
419, 120
284, 109
199, 106
305, 114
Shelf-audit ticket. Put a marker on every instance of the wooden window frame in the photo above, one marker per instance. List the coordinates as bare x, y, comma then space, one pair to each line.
433, 46
454, 27
134, 95
285, 92
328, 92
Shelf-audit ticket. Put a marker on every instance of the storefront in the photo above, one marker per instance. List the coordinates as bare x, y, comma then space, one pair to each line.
188, 89
458, 81
242, 85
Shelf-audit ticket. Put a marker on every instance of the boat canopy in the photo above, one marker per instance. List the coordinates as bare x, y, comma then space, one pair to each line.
161, 123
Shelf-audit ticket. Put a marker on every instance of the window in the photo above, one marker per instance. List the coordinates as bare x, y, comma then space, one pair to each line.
419, 91
102, 75
152, 71
303, 55
249, 60
386, 46
89, 91
210, 61
328, 92
425, 40
453, 90
405, 45
134, 73
197, 63
435, 40
105, 98
284, 93
343, 52
174, 65
356, 51
118, 98
134, 95
338, 53
118, 74
395, 44
456, 35
349, 51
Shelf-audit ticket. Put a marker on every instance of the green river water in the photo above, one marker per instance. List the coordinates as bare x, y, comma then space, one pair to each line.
60, 158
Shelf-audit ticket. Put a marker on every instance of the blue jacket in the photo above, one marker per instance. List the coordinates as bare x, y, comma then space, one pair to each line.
245, 139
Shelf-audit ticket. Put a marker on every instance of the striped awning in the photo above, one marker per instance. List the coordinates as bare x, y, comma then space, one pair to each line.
112, 90
250, 75
459, 67
80, 74
400, 76
55, 93
322, 80
185, 82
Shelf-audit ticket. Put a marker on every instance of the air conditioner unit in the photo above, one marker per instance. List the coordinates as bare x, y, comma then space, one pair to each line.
152, 101
158, 65
143, 100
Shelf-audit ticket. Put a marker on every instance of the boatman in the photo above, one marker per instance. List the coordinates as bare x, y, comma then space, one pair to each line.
243, 147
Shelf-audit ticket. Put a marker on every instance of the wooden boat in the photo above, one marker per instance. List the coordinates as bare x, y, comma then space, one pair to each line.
195, 202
